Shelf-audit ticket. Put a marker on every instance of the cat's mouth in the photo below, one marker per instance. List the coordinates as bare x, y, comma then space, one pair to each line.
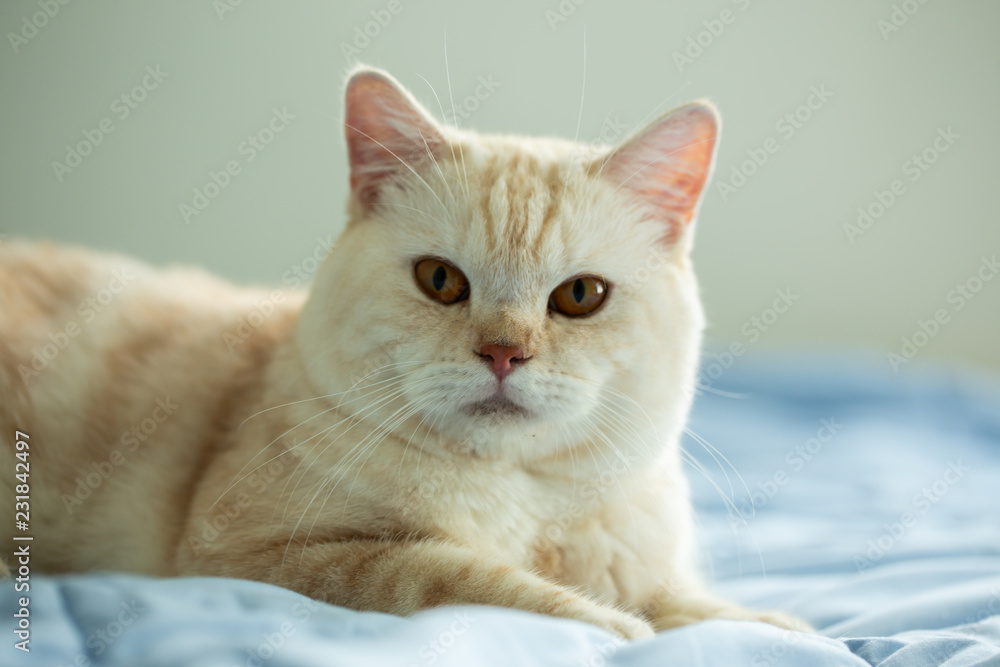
495, 406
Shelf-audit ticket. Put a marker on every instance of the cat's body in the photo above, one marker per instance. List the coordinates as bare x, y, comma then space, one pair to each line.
353, 445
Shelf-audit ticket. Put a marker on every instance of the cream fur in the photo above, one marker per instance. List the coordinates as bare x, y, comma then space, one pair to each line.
328, 451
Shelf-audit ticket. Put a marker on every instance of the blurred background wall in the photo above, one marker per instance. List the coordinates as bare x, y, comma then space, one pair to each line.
855, 190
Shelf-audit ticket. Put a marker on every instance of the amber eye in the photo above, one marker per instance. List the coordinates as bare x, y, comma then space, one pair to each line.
441, 281
579, 296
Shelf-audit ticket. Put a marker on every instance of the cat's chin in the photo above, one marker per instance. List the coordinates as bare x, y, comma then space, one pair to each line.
501, 428
497, 408
521, 420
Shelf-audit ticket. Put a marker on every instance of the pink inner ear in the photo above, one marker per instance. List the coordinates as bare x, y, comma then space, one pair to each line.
387, 132
668, 163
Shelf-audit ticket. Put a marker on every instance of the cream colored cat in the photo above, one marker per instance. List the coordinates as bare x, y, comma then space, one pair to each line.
478, 402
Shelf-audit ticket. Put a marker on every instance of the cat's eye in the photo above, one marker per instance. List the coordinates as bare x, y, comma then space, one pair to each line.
579, 296
441, 281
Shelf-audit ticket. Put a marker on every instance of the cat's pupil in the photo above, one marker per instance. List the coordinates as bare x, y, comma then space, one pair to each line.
440, 275
579, 290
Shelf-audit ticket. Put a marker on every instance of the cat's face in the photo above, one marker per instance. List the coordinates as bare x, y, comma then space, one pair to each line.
516, 295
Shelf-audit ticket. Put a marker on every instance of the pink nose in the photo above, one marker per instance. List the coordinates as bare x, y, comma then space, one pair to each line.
501, 358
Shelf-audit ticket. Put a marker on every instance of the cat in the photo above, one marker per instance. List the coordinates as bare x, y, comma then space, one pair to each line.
478, 400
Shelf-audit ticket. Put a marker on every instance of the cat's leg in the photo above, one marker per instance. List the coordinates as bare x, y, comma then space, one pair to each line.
671, 608
403, 577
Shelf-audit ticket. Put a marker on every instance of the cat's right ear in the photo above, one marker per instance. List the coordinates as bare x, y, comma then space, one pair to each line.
388, 133
668, 164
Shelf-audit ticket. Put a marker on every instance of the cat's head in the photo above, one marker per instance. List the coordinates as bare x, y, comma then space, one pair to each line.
515, 295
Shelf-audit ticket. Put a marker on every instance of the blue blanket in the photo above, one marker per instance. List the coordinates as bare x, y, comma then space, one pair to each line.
863, 502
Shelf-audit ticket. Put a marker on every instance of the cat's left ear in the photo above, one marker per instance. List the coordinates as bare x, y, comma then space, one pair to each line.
668, 164
389, 135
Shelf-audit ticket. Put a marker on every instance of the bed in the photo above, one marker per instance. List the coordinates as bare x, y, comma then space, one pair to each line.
863, 501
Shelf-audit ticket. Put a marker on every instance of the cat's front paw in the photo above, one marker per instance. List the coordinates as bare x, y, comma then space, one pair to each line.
621, 623
783, 620
694, 609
